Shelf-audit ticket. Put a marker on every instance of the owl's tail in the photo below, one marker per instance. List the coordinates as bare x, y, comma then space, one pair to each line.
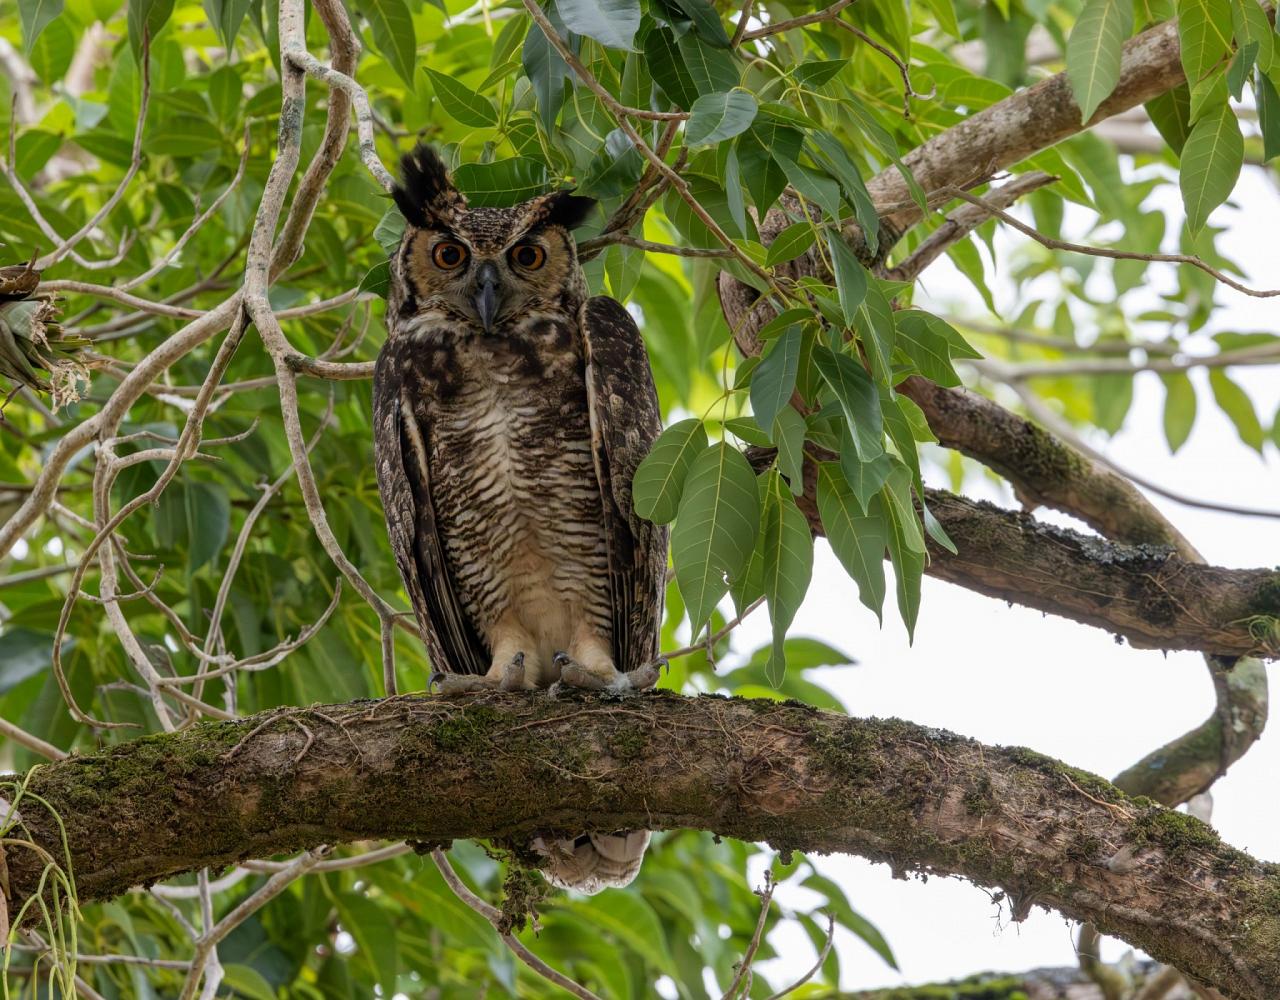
593, 861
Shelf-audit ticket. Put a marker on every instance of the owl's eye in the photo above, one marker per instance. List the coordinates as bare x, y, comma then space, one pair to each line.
529, 255
449, 256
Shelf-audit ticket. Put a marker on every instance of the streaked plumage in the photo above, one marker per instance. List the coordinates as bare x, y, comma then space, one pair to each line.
511, 411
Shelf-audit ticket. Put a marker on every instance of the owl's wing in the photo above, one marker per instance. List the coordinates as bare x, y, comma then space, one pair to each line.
625, 420
404, 476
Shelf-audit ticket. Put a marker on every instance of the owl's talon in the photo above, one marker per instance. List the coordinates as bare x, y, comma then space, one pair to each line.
513, 675
454, 685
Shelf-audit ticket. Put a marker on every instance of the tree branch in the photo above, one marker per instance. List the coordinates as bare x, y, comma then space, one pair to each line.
917, 798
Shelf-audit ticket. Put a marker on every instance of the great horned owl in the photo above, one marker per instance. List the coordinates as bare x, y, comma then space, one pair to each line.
510, 413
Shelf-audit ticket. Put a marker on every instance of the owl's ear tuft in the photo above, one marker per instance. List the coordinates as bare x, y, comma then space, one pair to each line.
564, 208
425, 195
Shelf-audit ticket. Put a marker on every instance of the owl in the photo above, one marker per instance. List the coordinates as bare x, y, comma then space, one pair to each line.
510, 412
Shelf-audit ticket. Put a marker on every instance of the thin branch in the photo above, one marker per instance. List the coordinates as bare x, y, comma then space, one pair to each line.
826, 14
963, 221
1055, 244
596, 244
813, 971
494, 916
748, 956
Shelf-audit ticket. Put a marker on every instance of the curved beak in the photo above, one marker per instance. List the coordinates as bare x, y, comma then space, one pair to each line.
487, 299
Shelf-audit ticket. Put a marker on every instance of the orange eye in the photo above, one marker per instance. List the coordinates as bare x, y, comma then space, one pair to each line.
449, 256
529, 255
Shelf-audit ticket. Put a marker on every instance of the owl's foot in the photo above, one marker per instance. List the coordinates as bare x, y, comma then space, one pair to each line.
609, 678
506, 677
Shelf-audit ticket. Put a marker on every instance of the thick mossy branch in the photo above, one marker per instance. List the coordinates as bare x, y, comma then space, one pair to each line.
1149, 594
512, 765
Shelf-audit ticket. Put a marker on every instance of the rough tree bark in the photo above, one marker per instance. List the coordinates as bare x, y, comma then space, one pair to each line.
505, 766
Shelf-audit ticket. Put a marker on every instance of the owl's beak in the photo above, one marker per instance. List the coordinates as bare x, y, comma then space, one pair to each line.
486, 295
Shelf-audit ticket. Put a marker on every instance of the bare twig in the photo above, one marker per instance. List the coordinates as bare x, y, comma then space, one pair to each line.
494, 916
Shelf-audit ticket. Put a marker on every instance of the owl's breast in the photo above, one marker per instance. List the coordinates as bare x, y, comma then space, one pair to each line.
513, 478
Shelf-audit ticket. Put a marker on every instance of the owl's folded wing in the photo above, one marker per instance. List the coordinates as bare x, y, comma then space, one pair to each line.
625, 421
401, 455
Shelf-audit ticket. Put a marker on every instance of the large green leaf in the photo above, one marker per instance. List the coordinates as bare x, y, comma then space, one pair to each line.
858, 534
774, 379
667, 66
1204, 35
1211, 162
1170, 112
715, 529
1094, 50
546, 68
36, 15
610, 22
393, 34
711, 69
1236, 404
461, 102
787, 544
857, 396
226, 16
502, 182
659, 480
851, 276
1268, 101
1179, 408
716, 117
145, 18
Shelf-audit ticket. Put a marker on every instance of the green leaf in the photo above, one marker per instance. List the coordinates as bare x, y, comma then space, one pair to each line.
146, 18
390, 230
1204, 35
817, 72
226, 16
830, 152
226, 93
1236, 404
51, 53
851, 276
1171, 115
612, 23
906, 546
790, 244
715, 529
659, 480
788, 567
1268, 115
710, 69
462, 103
667, 66
706, 22
1240, 67
393, 34
773, 382
377, 279
24, 653
716, 117
546, 68
502, 182
857, 396
1094, 50
788, 433
247, 982
877, 332
36, 15
859, 534
865, 478
208, 522
374, 934
1211, 162
1179, 409
923, 338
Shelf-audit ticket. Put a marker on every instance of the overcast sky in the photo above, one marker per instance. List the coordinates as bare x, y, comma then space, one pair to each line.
1013, 676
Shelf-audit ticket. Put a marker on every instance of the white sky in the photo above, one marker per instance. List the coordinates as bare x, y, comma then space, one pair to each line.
1013, 676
